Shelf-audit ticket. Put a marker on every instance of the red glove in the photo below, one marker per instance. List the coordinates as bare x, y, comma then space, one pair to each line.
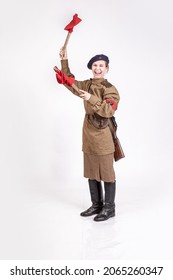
62, 78
72, 23
112, 102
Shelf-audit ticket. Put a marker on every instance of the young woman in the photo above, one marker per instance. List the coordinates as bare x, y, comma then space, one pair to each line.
100, 102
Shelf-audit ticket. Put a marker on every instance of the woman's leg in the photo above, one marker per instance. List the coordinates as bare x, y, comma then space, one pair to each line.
108, 209
96, 194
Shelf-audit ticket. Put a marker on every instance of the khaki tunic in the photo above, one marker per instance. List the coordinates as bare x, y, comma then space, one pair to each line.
96, 142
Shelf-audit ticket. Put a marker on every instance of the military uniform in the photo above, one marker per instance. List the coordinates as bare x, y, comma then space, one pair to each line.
97, 143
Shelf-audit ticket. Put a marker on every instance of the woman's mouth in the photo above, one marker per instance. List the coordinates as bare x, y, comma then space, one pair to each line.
98, 73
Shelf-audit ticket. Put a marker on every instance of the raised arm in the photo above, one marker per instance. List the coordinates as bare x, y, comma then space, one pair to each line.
64, 76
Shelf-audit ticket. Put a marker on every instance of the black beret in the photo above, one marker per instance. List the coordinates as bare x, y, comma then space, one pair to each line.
96, 58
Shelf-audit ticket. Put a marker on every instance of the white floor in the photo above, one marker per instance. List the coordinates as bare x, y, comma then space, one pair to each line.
43, 222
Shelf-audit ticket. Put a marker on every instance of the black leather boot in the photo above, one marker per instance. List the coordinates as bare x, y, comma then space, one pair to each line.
108, 209
96, 193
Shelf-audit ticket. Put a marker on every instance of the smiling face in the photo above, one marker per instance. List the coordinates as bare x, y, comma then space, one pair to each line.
99, 69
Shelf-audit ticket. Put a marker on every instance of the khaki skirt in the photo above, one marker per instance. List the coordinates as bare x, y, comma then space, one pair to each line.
99, 167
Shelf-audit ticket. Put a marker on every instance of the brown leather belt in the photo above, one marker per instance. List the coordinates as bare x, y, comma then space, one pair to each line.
97, 121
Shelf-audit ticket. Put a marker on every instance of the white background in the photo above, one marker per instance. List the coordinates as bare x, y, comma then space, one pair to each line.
42, 189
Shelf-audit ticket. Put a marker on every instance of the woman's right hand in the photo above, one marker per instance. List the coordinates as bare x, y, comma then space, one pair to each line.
63, 53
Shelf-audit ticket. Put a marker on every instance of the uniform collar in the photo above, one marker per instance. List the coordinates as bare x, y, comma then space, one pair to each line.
97, 81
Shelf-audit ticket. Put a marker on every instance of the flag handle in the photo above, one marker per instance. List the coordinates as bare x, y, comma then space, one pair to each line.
66, 40
75, 88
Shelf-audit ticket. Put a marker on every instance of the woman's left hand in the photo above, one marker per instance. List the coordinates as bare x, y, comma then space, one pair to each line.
84, 95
